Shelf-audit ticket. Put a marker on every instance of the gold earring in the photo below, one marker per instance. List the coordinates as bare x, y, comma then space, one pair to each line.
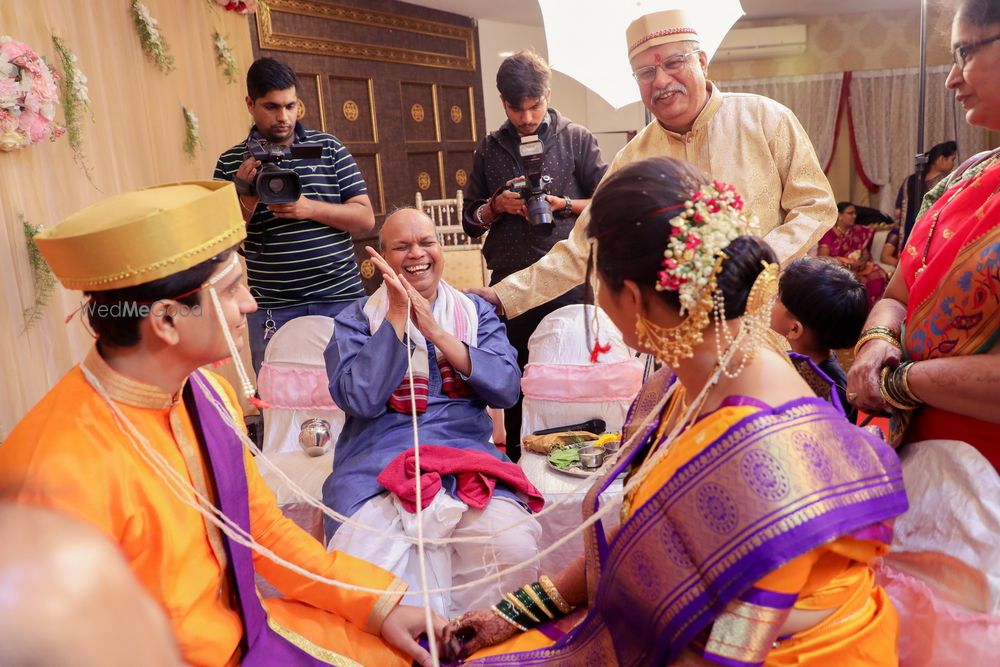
671, 345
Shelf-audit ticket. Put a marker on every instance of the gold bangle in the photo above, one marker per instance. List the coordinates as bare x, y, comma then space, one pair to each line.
509, 620
553, 593
884, 389
881, 329
876, 335
904, 377
530, 592
520, 606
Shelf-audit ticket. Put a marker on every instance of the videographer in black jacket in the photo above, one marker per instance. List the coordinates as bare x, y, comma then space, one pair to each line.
573, 162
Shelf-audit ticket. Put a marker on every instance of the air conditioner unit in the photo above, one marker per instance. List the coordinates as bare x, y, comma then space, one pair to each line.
778, 41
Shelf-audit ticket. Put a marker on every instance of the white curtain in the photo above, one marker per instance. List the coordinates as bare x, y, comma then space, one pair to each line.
884, 112
814, 99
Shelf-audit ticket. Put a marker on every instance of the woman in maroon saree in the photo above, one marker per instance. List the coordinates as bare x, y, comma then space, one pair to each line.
851, 245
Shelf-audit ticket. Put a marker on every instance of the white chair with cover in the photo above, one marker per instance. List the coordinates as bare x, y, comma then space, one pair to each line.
293, 384
561, 387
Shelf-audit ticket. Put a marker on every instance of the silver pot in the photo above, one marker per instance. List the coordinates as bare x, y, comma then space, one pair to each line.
591, 457
314, 436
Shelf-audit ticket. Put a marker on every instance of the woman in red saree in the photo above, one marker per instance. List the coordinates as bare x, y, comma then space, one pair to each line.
851, 245
930, 352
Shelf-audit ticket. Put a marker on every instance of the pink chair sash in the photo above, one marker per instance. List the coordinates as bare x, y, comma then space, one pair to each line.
292, 388
595, 383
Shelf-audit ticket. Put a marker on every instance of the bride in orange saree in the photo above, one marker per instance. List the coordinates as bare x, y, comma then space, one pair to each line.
753, 509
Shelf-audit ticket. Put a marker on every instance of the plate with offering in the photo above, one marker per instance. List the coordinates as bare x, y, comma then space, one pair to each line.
583, 459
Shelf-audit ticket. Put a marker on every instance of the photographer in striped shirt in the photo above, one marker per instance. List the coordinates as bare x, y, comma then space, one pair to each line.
299, 255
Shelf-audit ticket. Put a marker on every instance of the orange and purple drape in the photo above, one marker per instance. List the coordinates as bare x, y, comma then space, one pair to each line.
775, 485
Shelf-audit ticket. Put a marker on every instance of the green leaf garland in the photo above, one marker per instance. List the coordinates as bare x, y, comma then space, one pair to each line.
224, 57
153, 44
75, 101
41, 276
192, 137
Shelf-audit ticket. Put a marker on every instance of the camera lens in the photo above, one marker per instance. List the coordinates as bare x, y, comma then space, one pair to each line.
276, 185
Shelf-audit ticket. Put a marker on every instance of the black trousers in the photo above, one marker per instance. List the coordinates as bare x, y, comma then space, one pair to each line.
519, 330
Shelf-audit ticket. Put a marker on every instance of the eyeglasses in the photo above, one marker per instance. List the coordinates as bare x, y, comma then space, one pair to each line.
671, 65
960, 54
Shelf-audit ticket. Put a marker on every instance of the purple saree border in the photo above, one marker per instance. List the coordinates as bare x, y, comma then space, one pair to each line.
698, 613
729, 662
765, 598
779, 550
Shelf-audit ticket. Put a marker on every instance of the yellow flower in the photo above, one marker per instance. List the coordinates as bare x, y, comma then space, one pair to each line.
11, 141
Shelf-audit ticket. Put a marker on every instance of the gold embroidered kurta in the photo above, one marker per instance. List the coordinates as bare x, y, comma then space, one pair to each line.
749, 141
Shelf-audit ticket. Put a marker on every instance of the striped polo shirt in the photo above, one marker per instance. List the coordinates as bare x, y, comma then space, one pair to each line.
293, 262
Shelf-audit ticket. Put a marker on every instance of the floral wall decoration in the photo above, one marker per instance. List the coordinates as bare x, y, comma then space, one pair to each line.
153, 44
75, 100
192, 138
238, 6
224, 57
41, 276
28, 97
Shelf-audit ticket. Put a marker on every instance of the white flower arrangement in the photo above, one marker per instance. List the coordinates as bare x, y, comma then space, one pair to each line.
28, 97
224, 57
192, 138
153, 44
710, 221
75, 100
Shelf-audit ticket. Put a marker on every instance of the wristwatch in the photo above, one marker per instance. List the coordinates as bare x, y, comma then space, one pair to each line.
567, 211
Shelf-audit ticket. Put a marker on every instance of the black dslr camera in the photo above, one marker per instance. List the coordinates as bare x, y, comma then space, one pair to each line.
534, 185
274, 185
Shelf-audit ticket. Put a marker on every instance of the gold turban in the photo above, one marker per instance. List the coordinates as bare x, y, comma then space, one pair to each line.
673, 25
145, 235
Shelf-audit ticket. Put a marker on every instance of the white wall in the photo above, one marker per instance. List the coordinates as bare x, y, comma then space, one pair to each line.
572, 99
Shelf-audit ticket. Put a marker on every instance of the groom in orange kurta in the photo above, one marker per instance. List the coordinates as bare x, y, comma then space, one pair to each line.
127, 436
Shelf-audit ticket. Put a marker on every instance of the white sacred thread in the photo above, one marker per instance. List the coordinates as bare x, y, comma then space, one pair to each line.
148, 453
428, 617
184, 492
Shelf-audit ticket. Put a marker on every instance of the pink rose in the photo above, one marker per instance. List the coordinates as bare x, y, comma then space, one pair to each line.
35, 125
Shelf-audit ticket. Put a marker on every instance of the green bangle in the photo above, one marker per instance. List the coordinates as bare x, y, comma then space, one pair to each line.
539, 600
523, 607
504, 616
512, 614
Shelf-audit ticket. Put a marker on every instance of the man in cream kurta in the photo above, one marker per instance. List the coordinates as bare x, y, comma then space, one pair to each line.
749, 141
